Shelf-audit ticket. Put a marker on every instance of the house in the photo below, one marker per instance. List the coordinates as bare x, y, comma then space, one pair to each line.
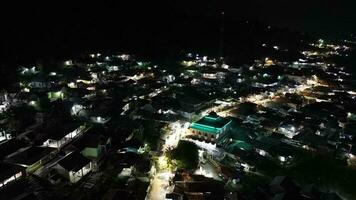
32, 157
349, 130
10, 172
210, 127
73, 166
54, 95
218, 74
3, 96
8, 97
29, 70
10, 146
18, 190
62, 135
169, 78
92, 146
198, 187
191, 101
40, 82
4, 135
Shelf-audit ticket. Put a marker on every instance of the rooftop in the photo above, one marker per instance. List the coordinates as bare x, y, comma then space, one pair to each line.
10, 146
57, 133
8, 170
210, 124
73, 162
30, 155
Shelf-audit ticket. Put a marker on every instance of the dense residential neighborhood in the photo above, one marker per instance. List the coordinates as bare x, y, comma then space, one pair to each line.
115, 126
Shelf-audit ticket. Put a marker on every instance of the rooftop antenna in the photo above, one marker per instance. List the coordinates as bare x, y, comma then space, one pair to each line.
221, 45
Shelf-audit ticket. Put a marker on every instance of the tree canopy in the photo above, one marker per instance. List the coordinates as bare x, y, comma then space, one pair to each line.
186, 154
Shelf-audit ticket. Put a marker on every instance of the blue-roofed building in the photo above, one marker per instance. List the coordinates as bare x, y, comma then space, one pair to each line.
210, 127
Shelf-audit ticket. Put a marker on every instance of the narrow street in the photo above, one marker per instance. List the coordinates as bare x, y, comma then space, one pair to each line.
162, 174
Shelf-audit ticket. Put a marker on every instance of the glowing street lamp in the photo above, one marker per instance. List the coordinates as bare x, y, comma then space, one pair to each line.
162, 162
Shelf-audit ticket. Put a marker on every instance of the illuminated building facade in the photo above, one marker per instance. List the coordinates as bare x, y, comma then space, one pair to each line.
210, 127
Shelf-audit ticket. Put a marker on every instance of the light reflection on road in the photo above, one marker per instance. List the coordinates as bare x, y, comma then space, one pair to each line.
162, 175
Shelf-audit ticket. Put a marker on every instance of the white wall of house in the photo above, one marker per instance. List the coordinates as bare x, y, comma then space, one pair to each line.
54, 143
10, 179
76, 176
73, 177
4, 136
67, 138
38, 84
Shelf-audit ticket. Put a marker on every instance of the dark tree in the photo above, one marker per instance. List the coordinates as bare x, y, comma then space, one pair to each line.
186, 154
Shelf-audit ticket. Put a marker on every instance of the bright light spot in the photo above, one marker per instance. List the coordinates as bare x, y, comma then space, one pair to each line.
188, 63
162, 162
72, 85
76, 109
261, 152
225, 66
293, 128
68, 63
32, 103
91, 88
204, 172
282, 158
246, 166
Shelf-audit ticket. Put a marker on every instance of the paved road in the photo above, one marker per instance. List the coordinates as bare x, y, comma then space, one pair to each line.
159, 185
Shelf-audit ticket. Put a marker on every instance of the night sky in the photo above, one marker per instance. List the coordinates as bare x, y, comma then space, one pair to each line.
324, 17
33, 26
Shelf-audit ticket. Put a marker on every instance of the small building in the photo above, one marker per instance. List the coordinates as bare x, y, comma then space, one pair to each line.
93, 147
210, 127
73, 166
54, 95
40, 82
10, 146
18, 190
63, 135
197, 187
4, 135
10, 172
31, 157
169, 78
3, 96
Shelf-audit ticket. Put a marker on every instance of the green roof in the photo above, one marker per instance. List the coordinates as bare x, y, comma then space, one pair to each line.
204, 128
210, 124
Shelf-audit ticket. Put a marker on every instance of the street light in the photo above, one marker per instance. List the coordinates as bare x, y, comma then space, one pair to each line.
162, 162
